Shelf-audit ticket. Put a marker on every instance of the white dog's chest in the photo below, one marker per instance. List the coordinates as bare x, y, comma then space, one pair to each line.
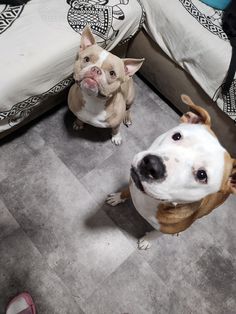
93, 112
145, 205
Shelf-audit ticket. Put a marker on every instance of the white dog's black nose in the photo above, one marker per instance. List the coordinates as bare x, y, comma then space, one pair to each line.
152, 167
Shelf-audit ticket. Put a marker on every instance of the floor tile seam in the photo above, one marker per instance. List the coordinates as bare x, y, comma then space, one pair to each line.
193, 263
18, 226
169, 285
150, 265
105, 160
47, 146
110, 274
43, 258
93, 168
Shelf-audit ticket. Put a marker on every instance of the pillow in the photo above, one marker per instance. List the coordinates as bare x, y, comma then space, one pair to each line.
217, 4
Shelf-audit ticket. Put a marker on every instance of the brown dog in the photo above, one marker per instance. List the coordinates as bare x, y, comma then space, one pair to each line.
103, 91
183, 176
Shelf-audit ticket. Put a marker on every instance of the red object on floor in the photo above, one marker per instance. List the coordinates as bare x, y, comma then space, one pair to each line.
28, 299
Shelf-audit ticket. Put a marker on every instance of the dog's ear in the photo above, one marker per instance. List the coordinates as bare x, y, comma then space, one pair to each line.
132, 66
87, 38
232, 179
196, 115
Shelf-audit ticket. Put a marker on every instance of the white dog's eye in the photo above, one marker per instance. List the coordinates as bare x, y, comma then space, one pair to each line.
112, 73
201, 176
177, 136
86, 59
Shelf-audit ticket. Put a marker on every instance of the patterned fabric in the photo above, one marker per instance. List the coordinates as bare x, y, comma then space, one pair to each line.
8, 16
203, 49
229, 101
100, 15
213, 24
18, 112
37, 61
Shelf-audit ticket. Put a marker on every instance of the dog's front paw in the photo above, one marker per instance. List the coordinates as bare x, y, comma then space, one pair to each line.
144, 243
116, 139
114, 199
127, 123
78, 125
127, 119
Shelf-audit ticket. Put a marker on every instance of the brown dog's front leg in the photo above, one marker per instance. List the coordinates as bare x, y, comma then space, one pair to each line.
127, 119
116, 136
117, 198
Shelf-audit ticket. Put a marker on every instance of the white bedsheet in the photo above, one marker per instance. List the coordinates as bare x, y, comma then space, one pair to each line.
39, 42
190, 33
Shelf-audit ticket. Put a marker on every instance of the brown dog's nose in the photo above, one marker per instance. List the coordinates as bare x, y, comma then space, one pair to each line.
96, 70
152, 167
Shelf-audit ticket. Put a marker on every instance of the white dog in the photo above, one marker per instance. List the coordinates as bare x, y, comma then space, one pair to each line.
184, 175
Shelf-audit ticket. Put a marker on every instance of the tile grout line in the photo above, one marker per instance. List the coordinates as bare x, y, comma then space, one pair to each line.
38, 251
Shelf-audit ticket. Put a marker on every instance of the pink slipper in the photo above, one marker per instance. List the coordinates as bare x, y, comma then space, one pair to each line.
21, 304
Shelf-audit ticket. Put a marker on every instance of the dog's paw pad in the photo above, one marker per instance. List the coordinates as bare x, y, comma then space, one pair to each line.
77, 127
114, 199
144, 244
116, 139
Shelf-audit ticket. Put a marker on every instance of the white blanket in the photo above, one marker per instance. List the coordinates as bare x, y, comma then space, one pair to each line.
190, 33
39, 42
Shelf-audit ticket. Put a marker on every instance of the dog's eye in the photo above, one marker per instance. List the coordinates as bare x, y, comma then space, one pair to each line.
86, 59
112, 73
201, 176
177, 136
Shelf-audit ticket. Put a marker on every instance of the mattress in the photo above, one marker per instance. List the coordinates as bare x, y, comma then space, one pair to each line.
190, 33
39, 42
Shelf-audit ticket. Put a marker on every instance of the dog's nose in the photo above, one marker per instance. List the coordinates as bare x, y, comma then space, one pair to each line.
96, 70
152, 167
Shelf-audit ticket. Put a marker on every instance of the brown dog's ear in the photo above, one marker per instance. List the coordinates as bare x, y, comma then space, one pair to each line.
132, 66
197, 115
87, 38
232, 179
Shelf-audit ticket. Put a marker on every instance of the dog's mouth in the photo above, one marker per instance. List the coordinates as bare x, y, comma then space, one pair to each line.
89, 83
138, 183
91, 86
136, 179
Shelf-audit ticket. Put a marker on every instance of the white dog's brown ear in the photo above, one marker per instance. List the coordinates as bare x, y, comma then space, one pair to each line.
87, 38
197, 115
232, 179
132, 66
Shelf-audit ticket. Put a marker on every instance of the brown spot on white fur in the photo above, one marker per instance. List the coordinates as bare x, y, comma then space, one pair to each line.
228, 168
229, 181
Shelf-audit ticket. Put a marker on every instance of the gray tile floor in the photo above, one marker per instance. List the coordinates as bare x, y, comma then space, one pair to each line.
75, 254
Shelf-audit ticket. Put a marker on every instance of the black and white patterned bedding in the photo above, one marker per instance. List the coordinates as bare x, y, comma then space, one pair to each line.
190, 33
39, 42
